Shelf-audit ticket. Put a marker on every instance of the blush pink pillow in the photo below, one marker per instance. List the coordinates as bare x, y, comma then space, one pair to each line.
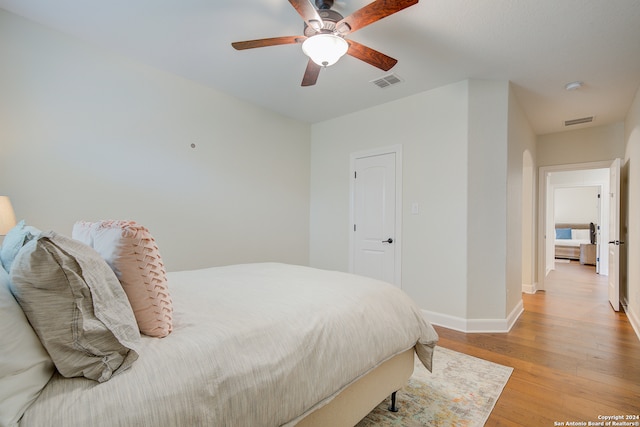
132, 253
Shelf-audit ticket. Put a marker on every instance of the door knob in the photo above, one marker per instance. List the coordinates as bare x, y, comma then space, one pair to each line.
389, 240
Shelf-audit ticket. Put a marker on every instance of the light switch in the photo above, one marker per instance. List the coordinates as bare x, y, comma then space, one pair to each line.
415, 209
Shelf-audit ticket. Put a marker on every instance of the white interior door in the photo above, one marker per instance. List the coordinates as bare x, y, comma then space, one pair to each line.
374, 214
614, 235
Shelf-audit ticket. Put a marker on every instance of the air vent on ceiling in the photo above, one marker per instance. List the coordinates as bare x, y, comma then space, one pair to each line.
578, 121
387, 81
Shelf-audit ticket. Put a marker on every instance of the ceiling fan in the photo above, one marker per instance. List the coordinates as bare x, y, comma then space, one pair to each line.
324, 31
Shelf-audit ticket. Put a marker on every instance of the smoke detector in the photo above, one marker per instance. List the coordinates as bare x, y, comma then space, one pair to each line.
573, 85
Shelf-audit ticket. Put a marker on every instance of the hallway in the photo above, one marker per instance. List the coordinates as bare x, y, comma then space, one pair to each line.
574, 291
574, 358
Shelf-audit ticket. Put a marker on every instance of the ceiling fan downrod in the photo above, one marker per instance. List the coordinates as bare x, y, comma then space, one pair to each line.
324, 4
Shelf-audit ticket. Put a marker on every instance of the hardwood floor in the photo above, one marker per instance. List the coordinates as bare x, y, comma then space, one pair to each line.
574, 358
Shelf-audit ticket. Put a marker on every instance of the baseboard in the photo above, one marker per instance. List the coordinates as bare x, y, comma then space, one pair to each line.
530, 289
634, 319
475, 326
446, 320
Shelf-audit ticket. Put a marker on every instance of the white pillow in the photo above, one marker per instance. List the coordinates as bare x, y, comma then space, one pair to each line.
25, 366
580, 234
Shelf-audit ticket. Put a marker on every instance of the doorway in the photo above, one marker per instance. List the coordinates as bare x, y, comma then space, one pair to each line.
577, 197
565, 176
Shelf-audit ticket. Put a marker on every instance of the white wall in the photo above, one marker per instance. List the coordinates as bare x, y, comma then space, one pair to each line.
521, 207
431, 127
86, 134
487, 199
632, 166
456, 166
577, 205
581, 146
529, 215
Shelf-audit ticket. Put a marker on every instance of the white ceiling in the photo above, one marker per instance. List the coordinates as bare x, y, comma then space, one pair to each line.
539, 45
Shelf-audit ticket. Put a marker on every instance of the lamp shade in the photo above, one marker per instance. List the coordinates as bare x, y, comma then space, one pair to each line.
7, 216
325, 49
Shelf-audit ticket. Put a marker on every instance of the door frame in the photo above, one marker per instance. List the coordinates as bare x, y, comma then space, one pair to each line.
614, 234
397, 247
544, 204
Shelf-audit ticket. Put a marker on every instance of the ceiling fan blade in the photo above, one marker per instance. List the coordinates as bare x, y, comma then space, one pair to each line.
311, 74
370, 56
308, 12
371, 13
274, 41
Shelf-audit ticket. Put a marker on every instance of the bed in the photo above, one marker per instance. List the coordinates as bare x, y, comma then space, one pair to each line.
571, 238
264, 344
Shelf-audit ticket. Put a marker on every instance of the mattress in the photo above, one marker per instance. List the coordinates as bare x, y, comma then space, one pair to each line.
252, 345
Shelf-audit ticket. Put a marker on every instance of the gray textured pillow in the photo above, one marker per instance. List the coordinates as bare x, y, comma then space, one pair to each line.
77, 307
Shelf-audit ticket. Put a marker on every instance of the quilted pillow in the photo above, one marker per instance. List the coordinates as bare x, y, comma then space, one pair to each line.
76, 305
25, 366
133, 255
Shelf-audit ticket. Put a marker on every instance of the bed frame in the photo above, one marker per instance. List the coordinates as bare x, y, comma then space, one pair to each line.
359, 398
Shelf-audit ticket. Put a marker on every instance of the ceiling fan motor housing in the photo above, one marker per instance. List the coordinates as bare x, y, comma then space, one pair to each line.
329, 20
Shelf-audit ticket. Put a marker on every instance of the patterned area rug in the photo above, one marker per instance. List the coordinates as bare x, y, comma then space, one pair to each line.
461, 391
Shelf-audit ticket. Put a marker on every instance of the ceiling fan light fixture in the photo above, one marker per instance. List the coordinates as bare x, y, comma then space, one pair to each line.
325, 49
